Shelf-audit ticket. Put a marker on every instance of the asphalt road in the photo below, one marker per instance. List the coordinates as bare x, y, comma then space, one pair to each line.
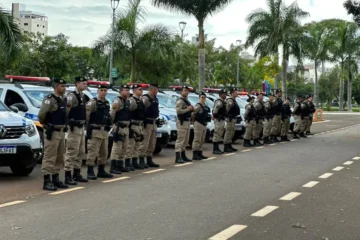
200, 200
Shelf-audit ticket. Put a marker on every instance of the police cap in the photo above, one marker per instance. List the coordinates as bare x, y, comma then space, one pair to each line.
125, 86
202, 94
250, 98
185, 87
232, 90
135, 86
102, 86
278, 91
154, 85
223, 91
59, 81
80, 79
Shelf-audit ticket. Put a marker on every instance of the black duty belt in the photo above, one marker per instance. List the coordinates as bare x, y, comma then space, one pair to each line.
137, 123
79, 125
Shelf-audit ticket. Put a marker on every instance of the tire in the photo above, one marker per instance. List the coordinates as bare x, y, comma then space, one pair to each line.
158, 149
19, 170
41, 134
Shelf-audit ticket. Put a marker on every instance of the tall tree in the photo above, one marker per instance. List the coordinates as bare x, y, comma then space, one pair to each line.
10, 36
200, 9
279, 26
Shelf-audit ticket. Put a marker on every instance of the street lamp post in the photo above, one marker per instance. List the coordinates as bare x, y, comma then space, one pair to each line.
182, 26
238, 43
114, 6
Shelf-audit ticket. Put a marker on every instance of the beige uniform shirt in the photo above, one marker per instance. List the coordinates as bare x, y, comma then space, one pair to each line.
229, 104
49, 104
147, 103
72, 102
181, 106
218, 105
116, 106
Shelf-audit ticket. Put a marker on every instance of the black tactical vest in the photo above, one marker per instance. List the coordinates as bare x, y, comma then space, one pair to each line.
311, 107
270, 112
261, 112
298, 110
102, 114
139, 113
305, 111
152, 111
57, 117
220, 115
234, 111
251, 114
286, 111
123, 114
278, 106
78, 113
203, 117
185, 116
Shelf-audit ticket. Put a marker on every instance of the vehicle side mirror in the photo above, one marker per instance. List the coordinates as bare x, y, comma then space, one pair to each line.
21, 107
14, 109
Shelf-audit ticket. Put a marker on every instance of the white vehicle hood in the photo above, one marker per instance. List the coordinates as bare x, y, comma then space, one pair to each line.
13, 119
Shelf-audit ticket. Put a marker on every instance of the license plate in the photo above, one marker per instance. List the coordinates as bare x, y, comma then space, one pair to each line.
158, 135
7, 150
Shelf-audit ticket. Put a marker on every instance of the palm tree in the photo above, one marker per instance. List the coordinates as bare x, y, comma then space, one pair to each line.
10, 36
200, 9
280, 26
132, 42
316, 43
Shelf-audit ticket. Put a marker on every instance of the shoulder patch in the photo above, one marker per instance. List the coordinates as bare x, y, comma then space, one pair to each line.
89, 103
47, 101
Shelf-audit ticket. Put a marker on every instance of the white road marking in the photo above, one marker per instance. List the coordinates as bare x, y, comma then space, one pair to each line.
11, 203
154, 171
66, 191
273, 144
229, 154
264, 211
348, 162
326, 175
115, 179
260, 147
228, 233
282, 142
246, 150
290, 196
338, 169
212, 158
325, 121
356, 158
181, 165
310, 184
293, 140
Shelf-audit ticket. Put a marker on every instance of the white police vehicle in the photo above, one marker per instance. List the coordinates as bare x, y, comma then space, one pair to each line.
20, 145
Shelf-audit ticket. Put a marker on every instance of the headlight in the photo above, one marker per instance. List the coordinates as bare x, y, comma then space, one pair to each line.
30, 130
173, 118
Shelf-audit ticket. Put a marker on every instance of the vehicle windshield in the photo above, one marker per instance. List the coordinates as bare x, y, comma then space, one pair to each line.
3, 107
166, 101
36, 96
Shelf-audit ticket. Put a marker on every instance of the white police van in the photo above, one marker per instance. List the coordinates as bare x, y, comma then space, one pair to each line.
20, 145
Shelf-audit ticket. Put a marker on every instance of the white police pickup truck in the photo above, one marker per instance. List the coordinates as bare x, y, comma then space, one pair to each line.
20, 146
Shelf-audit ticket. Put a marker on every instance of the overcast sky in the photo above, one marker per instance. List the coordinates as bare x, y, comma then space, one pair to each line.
84, 21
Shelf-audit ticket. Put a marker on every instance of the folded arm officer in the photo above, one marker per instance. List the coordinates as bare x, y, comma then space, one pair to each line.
276, 122
98, 127
312, 110
305, 113
250, 116
75, 142
297, 117
233, 110
259, 119
285, 116
183, 110
52, 115
269, 115
219, 114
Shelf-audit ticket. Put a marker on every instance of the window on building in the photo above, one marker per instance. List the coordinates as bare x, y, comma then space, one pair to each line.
26, 24
43, 34
38, 25
44, 26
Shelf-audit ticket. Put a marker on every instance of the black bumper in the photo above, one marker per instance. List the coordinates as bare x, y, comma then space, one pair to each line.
25, 156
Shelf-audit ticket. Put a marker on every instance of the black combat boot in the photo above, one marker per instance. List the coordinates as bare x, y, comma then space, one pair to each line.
178, 158
128, 165
102, 173
77, 176
257, 143
303, 135
231, 147
184, 157
90, 173
68, 179
114, 168
216, 149
296, 135
136, 164
286, 138
275, 139
48, 184
120, 166
142, 163
57, 182
227, 148
201, 155
247, 143
131, 167
267, 140
151, 163
309, 133
196, 156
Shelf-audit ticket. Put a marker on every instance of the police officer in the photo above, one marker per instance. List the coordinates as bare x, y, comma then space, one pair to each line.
305, 113
276, 122
202, 118
52, 115
75, 142
219, 113
137, 109
183, 111
259, 119
98, 126
120, 116
297, 117
147, 146
285, 118
250, 116
312, 110
233, 110
269, 115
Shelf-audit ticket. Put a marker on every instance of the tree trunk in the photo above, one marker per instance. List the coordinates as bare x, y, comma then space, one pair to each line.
341, 89
201, 56
133, 67
284, 72
276, 78
349, 91
322, 67
316, 87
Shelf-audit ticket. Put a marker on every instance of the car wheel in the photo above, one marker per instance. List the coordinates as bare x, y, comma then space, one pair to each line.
158, 149
41, 134
19, 170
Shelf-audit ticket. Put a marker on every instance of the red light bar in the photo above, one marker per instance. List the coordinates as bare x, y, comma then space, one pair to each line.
94, 82
179, 88
25, 78
142, 85
243, 93
211, 90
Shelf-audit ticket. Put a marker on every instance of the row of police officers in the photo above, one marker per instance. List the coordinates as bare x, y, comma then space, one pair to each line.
133, 122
